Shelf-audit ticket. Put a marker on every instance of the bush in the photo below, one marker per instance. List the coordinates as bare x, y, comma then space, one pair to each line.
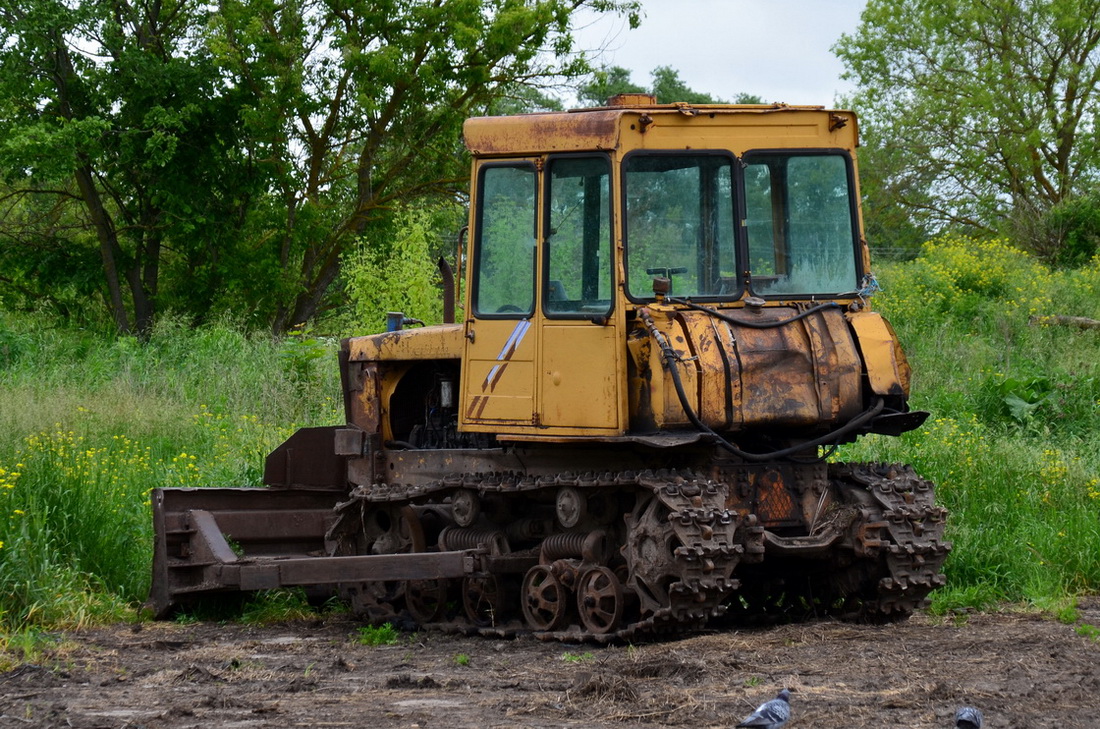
962, 278
1069, 233
399, 274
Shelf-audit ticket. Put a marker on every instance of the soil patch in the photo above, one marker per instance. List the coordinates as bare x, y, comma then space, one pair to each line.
1021, 670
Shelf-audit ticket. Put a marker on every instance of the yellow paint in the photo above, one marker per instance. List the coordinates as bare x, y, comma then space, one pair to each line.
887, 369
577, 391
756, 127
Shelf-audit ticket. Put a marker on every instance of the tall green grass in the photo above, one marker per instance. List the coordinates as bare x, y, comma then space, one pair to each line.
89, 424
1013, 441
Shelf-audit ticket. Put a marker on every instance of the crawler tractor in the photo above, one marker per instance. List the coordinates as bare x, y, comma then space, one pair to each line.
665, 334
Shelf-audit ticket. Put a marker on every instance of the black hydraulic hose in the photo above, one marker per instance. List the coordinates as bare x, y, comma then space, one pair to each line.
754, 324
670, 362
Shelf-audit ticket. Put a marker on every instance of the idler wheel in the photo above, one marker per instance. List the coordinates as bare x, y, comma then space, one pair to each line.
426, 599
389, 530
484, 598
570, 506
465, 507
600, 600
392, 530
545, 599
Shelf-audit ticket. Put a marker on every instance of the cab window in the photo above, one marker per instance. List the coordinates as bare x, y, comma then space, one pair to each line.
800, 222
578, 238
504, 283
679, 224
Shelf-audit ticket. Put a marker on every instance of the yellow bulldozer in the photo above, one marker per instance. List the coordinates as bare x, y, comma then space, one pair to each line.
665, 335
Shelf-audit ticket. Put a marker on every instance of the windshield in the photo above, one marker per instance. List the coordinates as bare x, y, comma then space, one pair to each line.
679, 223
798, 217
799, 224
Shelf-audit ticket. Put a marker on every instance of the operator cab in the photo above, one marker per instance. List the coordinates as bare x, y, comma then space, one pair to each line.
580, 219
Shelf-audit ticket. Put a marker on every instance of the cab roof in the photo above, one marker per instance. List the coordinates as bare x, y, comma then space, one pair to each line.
602, 128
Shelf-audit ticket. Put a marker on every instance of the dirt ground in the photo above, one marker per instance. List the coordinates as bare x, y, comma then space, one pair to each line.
1021, 670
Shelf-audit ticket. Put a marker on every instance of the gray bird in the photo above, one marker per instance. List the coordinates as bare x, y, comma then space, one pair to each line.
968, 718
770, 714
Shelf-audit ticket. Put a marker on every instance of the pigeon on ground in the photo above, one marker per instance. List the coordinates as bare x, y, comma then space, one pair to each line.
968, 718
770, 714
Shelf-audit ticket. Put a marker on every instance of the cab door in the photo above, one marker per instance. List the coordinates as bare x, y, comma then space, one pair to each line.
544, 345
498, 376
581, 341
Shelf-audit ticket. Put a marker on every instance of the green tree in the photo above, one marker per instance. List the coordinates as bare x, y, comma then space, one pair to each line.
607, 82
228, 159
977, 112
893, 196
402, 277
666, 85
115, 139
359, 108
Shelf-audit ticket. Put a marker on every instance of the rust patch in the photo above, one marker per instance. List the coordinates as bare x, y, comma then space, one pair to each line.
774, 502
542, 133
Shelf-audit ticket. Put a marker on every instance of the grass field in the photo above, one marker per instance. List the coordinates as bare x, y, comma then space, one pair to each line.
89, 423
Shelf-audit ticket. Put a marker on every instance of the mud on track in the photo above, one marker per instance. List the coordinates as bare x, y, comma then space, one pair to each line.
1022, 670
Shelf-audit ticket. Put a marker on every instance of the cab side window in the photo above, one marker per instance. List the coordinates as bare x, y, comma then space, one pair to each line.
504, 284
578, 238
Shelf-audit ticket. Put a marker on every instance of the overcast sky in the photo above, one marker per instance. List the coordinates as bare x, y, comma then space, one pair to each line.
775, 49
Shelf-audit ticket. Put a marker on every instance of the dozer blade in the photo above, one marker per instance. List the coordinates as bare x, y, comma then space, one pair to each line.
202, 536
225, 540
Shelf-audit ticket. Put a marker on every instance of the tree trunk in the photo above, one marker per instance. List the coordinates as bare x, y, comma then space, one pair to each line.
109, 249
1081, 322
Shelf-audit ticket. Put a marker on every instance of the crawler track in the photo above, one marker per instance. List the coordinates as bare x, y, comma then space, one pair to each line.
900, 544
613, 556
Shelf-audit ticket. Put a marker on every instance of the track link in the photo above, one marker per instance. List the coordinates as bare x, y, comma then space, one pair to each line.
903, 530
